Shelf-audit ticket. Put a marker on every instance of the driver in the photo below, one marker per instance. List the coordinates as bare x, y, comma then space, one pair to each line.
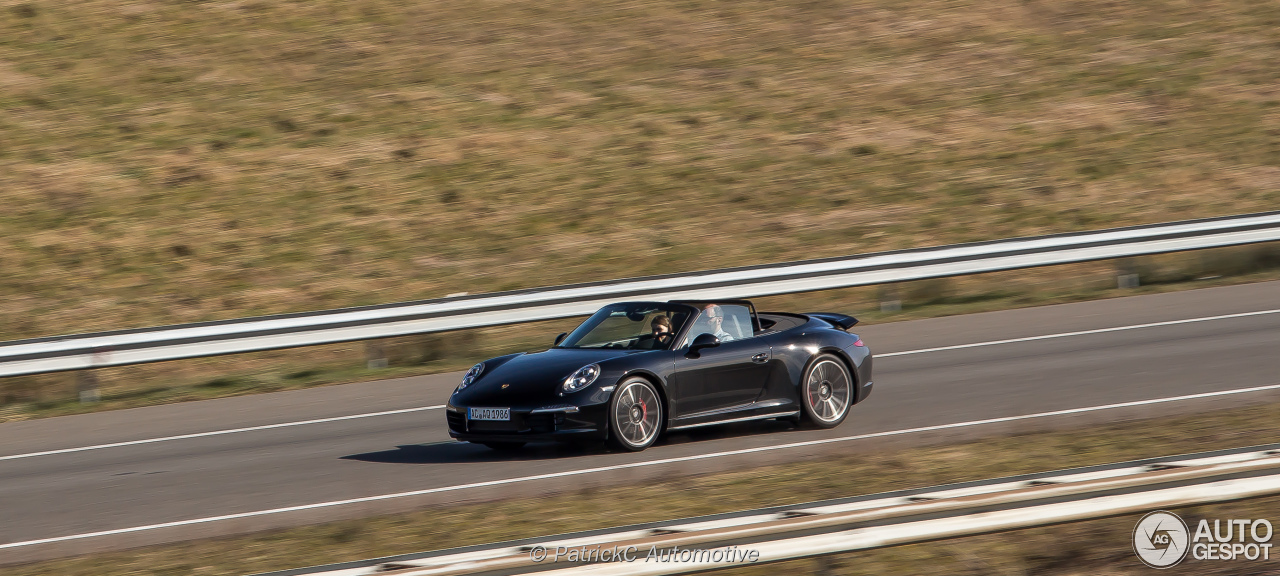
661, 326
662, 332
715, 322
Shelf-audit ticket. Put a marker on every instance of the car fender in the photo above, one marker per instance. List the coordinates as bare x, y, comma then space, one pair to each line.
495, 362
658, 382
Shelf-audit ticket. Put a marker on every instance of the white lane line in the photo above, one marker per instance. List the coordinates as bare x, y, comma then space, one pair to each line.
220, 432
1079, 333
882, 355
647, 463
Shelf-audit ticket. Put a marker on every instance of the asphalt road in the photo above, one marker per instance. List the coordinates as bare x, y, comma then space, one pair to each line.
406, 460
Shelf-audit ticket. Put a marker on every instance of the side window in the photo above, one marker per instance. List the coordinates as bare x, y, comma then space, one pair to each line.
730, 323
737, 322
700, 326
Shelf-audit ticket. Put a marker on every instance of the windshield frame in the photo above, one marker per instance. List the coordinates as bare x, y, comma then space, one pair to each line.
592, 322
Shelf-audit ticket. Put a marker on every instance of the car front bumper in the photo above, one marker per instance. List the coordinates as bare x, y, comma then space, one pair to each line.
529, 425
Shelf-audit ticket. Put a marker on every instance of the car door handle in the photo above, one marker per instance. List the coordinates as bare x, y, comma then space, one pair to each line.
760, 358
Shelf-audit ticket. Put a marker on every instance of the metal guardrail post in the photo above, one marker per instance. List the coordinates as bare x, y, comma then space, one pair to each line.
87, 386
890, 297
87, 380
375, 354
1126, 273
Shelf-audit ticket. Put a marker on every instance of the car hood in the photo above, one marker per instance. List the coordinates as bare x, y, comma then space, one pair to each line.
532, 379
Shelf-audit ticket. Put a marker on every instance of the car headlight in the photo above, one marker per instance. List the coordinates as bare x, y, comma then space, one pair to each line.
471, 375
582, 378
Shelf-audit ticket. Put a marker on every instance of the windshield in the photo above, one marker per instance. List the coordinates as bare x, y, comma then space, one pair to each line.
630, 326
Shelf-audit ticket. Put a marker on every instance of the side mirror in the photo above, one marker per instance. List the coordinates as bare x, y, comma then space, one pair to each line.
560, 338
704, 340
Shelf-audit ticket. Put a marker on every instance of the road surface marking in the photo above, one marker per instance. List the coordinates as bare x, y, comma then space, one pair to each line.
647, 463
883, 355
219, 432
1079, 333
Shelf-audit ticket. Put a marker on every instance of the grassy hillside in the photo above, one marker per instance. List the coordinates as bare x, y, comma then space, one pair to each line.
170, 161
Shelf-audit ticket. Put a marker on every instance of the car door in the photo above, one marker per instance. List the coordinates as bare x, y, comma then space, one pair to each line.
731, 374
726, 376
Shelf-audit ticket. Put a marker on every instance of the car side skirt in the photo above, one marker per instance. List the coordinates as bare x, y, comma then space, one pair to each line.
783, 414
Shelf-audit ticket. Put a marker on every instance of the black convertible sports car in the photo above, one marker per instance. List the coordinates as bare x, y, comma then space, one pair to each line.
635, 369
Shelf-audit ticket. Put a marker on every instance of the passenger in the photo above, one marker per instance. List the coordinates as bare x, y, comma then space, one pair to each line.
715, 322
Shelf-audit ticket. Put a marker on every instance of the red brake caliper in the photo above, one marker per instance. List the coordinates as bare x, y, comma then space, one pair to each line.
644, 410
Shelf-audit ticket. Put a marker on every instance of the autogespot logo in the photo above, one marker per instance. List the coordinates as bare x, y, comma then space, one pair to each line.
1160, 539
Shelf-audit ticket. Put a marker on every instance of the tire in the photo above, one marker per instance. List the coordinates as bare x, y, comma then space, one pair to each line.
504, 446
635, 415
826, 392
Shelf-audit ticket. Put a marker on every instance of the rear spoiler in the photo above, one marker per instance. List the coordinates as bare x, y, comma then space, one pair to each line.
842, 321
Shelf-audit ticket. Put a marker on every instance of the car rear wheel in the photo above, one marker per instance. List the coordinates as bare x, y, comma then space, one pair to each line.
635, 415
826, 392
504, 446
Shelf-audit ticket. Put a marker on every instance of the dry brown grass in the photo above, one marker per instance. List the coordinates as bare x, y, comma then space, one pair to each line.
166, 162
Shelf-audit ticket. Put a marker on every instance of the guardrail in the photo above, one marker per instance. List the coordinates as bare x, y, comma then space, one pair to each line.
76, 352
877, 521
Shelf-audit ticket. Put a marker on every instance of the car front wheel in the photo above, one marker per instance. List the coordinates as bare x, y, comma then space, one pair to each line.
635, 415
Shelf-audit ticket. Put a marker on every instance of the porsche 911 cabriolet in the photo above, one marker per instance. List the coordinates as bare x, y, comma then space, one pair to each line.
635, 370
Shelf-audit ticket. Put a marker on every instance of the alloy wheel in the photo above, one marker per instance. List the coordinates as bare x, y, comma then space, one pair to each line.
636, 415
827, 391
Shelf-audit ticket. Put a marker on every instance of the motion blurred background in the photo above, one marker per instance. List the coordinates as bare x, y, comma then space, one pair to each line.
171, 161
175, 161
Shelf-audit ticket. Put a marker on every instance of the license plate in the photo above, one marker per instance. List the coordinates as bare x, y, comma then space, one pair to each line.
500, 414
